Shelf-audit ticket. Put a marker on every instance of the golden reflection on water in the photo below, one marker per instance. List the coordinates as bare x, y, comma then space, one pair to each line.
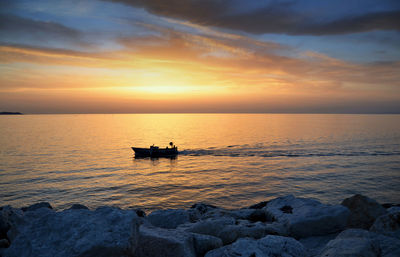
230, 160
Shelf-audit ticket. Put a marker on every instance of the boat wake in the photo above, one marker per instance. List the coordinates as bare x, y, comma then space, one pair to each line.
262, 151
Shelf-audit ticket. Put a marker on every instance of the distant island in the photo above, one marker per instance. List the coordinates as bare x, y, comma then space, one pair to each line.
10, 113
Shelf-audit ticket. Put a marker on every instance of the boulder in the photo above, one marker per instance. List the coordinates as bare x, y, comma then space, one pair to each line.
267, 246
304, 217
359, 242
78, 232
253, 215
388, 224
212, 227
155, 241
259, 205
231, 233
363, 210
315, 244
37, 206
78, 206
170, 218
9, 218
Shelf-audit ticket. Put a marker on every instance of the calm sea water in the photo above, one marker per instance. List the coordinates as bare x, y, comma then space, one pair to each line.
230, 160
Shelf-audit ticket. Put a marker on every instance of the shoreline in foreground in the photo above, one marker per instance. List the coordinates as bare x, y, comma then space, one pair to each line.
285, 226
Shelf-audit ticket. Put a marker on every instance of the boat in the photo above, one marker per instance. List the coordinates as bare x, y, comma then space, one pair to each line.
155, 151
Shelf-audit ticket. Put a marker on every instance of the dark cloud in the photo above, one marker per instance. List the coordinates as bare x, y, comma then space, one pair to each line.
16, 29
277, 17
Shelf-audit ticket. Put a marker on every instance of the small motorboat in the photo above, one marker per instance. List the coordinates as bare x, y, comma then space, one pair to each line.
155, 151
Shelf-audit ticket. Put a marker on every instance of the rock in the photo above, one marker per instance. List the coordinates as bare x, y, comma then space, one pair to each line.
78, 206
9, 218
169, 218
212, 227
253, 215
267, 246
359, 242
389, 205
363, 210
4, 243
231, 233
140, 213
315, 244
393, 209
78, 232
258, 205
37, 206
307, 217
155, 241
205, 243
276, 228
4, 226
203, 208
388, 224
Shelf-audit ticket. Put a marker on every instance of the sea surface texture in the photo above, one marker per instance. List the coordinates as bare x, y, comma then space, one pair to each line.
229, 160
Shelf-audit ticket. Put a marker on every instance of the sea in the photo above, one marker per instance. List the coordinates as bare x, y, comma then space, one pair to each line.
228, 160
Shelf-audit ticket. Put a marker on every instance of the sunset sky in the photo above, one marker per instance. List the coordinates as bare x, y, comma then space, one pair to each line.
134, 56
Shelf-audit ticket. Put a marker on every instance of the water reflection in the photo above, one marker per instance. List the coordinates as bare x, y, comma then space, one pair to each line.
229, 160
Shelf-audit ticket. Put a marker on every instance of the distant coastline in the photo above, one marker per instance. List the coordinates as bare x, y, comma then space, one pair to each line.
10, 113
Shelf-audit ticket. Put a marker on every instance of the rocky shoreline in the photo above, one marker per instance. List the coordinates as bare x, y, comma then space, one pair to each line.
285, 226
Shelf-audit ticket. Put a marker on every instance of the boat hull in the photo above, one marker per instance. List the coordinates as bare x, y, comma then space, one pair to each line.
155, 152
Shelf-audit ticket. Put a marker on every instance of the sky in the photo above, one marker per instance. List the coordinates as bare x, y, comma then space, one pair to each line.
157, 56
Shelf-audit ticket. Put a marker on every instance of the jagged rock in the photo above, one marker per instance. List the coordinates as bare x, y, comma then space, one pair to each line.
78, 206
364, 211
171, 218
104, 232
307, 217
37, 206
388, 224
359, 242
259, 205
155, 241
269, 246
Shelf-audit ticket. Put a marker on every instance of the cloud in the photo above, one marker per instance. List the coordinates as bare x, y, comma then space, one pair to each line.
16, 29
277, 17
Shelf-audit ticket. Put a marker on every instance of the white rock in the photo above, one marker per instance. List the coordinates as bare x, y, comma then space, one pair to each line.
307, 217
269, 246
388, 224
155, 241
359, 242
103, 232
363, 210
231, 233
212, 227
169, 218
